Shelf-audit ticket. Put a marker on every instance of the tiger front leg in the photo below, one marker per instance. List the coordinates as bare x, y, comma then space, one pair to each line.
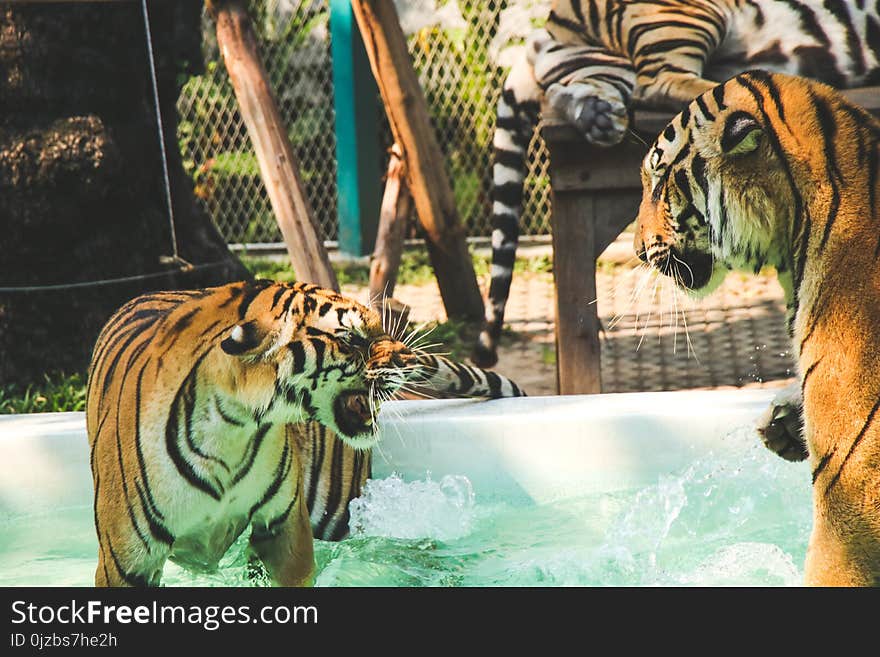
585, 84
671, 77
127, 559
133, 545
671, 91
288, 553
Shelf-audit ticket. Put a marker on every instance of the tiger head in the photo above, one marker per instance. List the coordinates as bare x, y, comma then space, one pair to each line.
716, 193
304, 353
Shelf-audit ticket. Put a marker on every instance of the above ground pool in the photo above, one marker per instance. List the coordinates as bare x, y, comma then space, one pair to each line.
644, 489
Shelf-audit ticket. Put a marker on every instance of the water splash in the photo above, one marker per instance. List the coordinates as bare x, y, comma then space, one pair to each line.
420, 509
744, 564
738, 515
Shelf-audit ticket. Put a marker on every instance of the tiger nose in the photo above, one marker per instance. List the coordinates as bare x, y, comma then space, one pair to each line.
395, 354
401, 356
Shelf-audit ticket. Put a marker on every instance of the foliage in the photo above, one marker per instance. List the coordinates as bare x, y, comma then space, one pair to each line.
464, 121
213, 141
58, 392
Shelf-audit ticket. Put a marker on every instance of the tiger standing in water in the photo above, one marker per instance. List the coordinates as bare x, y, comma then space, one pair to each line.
195, 408
594, 60
778, 170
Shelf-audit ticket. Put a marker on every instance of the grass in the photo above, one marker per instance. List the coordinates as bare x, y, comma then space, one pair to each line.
57, 392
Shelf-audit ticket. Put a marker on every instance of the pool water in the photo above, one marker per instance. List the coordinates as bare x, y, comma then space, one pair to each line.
737, 515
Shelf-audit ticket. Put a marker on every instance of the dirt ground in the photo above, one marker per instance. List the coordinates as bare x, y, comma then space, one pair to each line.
655, 338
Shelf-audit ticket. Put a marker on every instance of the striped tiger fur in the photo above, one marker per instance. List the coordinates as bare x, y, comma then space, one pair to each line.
334, 473
193, 403
779, 170
593, 61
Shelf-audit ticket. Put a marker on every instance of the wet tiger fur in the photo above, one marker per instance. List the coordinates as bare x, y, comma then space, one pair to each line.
778, 170
593, 61
195, 404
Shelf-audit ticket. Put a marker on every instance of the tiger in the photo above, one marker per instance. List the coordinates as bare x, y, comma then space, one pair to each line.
195, 403
594, 61
772, 169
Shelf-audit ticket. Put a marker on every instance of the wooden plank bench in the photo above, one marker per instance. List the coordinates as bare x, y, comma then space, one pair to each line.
596, 194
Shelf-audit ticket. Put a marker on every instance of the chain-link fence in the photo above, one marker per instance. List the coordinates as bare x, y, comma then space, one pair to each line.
460, 49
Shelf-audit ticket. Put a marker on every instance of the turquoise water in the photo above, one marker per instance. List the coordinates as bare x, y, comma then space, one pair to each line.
737, 516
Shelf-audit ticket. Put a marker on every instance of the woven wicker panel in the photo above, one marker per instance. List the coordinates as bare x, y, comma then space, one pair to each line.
656, 338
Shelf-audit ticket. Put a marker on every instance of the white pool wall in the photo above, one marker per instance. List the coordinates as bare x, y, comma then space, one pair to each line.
533, 448
547, 448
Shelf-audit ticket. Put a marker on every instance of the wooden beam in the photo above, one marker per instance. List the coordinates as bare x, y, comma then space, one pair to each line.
279, 167
428, 183
574, 272
396, 208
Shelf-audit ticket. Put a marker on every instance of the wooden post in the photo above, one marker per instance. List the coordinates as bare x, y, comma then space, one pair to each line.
396, 207
574, 272
358, 156
432, 194
278, 164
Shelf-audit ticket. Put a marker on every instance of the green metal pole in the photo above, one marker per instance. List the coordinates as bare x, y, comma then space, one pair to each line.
355, 101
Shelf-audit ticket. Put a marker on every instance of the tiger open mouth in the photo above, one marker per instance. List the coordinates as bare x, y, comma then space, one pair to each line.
351, 410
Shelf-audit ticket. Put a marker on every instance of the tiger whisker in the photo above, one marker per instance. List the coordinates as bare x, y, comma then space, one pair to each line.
642, 270
638, 291
620, 284
421, 343
687, 335
428, 349
690, 271
635, 136
390, 396
650, 312
371, 397
415, 330
680, 294
683, 316
397, 329
675, 316
660, 307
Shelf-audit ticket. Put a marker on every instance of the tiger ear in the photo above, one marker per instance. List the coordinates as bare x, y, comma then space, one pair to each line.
742, 134
243, 338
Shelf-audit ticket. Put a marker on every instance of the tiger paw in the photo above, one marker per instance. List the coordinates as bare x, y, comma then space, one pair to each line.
596, 112
781, 426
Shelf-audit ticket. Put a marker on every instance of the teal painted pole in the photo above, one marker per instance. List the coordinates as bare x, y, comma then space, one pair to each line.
355, 101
